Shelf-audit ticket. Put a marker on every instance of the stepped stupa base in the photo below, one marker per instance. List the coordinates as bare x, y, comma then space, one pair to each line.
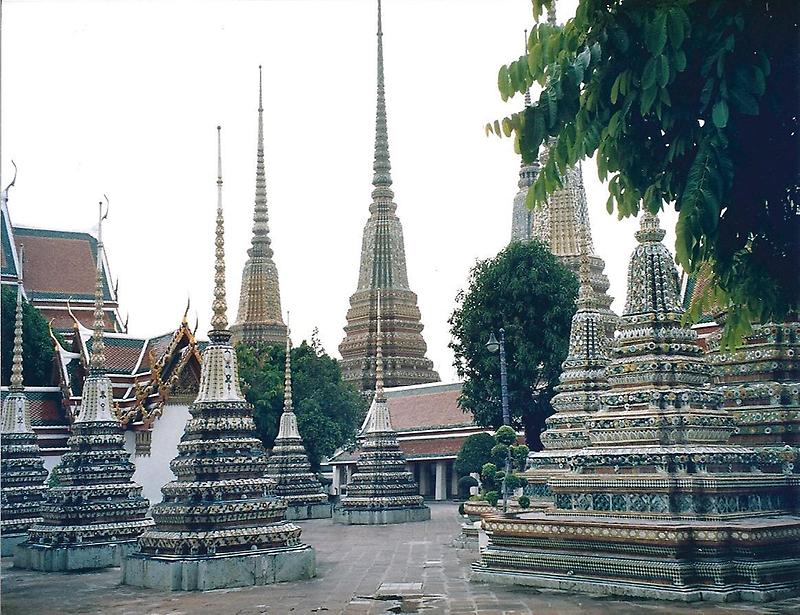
220, 572
381, 516
754, 559
299, 512
468, 538
9, 542
72, 558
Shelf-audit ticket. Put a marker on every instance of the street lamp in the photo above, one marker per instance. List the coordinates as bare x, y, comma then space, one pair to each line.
492, 345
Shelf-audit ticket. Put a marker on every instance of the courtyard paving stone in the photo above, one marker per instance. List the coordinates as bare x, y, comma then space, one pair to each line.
353, 562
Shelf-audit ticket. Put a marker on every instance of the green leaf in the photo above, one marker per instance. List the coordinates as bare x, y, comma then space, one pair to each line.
650, 73
663, 75
675, 27
657, 33
719, 114
615, 89
504, 82
679, 61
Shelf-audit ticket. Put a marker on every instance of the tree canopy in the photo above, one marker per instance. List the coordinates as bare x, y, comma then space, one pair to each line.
476, 450
529, 293
37, 347
692, 103
328, 410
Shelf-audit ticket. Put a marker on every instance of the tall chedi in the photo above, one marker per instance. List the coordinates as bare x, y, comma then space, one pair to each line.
288, 464
94, 513
562, 223
381, 490
22, 472
383, 268
660, 504
577, 397
218, 524
259, 318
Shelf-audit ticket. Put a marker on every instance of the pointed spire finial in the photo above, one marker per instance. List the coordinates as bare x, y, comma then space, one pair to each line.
219, 319
97, 357
16, 361
528, 91
379, 395
649, 228
586, 293
382, 179
287, 376
261, 241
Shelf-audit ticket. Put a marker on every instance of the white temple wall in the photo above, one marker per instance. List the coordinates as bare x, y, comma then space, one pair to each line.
152, 471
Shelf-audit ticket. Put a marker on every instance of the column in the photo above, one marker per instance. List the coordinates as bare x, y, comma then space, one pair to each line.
337, 480
423, 478
453, 480
441, 482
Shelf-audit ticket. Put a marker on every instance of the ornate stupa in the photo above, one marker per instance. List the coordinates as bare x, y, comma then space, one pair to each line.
577, 396
219, 525
259, 318
22, 472
288, 464
562, 223
93, 514
381, 490
659, 504
760, 379
383, 267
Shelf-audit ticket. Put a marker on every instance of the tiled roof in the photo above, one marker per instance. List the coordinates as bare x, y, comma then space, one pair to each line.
45, 407
122, 353
426, 407
63, 322
59, 264
158, 346
433, 447
8, 267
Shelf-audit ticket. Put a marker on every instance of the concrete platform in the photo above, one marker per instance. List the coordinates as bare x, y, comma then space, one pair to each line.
219, 572
382, 516
311, 511
9, 542
72, 558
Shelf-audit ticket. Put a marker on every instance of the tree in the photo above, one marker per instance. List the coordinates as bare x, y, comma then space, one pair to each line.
476, 450
328, 410
37, 347
685, 102
525, 290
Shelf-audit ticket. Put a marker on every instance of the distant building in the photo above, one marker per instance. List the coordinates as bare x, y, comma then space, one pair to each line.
430, 428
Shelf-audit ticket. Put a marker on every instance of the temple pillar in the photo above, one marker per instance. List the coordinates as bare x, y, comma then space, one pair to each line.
453, 480
337, 480
423, 478
441, 481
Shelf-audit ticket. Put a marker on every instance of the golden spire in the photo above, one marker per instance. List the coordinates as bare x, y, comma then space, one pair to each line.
287, 376
16, 361
379, 357
219, 320
97, 357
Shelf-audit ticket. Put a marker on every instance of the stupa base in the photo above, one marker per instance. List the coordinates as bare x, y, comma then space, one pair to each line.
219, 572
70, 558
468, 538
9, 542
308, 511
381, 516
751, 559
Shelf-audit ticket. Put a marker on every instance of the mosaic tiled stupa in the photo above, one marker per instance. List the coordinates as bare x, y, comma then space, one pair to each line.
382, 490
577, 396
288, 464
219, 524
383, 267
22, 472
93, 514
259, 318
659, 504
761, 382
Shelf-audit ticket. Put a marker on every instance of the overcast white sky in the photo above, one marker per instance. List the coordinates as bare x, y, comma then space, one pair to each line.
123, 97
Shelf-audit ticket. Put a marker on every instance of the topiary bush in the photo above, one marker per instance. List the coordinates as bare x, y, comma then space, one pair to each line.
474, 453
524, 501
492, 497
464, 485
461, 509
505, 435
488, 472
499, 455
519, 454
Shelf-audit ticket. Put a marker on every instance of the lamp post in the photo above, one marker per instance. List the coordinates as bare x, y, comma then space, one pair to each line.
493, 346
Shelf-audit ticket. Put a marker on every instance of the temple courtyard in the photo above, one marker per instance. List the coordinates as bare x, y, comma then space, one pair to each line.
361, 570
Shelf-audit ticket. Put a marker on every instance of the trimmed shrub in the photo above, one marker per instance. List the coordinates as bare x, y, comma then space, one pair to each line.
524, 501
506, 435
492, 497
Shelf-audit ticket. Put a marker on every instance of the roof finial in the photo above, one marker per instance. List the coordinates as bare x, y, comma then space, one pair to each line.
16, 361
219, 319
261, 241
287, 377
75, 323
185, 319
97, 357
382, 179
4, 194
379, 357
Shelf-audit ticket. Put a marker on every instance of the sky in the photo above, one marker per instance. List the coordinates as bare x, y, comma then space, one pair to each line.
123, 98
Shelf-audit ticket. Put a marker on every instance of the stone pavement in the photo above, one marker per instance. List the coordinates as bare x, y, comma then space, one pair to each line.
361, 570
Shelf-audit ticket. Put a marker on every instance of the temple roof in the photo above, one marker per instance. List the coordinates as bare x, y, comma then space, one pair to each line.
430, 406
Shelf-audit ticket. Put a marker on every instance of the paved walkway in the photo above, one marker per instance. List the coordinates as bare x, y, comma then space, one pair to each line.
354, 566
